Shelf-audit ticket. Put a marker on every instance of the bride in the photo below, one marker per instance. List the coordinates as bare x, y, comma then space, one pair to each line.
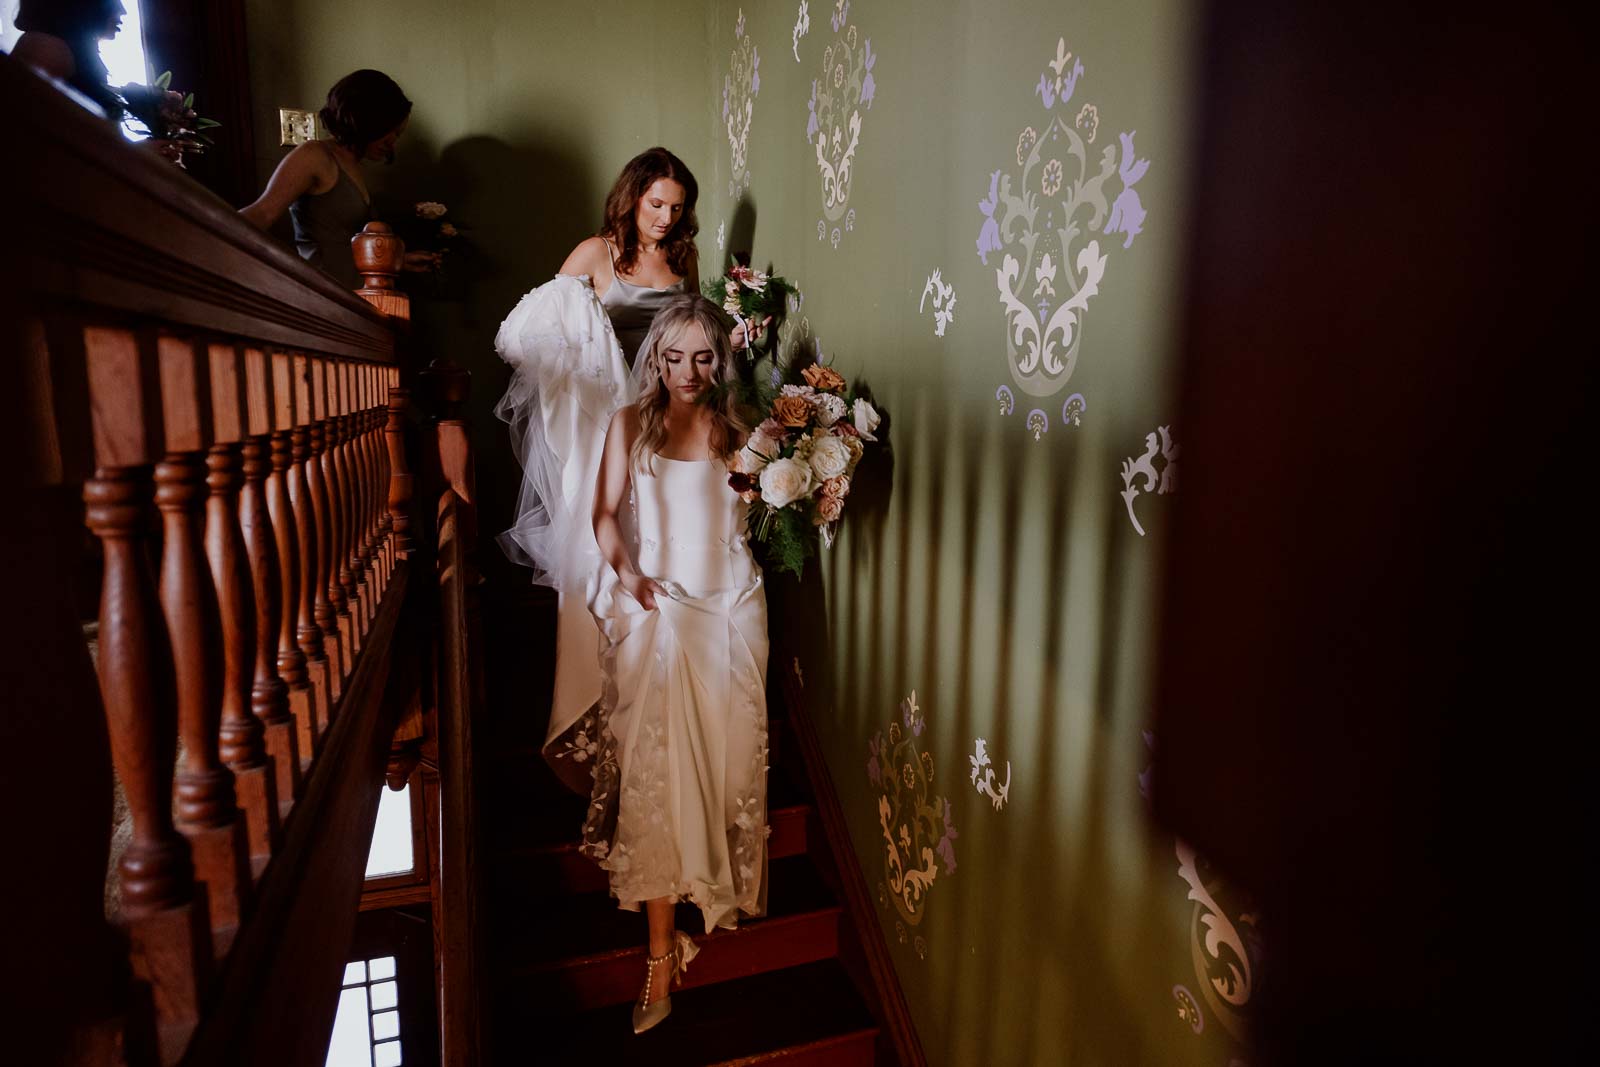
659, 709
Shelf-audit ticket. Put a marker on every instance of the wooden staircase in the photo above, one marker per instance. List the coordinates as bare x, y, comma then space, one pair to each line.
565, 963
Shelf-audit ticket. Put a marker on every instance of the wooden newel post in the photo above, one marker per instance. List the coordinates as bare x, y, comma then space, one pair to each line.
379, 255
448, 386
400, 477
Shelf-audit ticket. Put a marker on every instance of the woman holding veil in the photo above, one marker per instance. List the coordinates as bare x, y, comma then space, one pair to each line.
659, 708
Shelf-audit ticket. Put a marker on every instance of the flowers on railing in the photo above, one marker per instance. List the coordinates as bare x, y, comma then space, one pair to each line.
796, 467
164, 114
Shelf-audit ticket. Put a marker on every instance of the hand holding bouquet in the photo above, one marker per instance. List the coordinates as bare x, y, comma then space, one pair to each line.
750, 296
167, 117
796, 467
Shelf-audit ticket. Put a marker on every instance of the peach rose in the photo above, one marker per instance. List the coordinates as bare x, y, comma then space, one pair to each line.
791, 410
838, 488
824, 378
829, 508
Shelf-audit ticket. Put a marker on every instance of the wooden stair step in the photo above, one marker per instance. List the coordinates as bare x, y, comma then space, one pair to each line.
541, 870
583, 951
804, 1015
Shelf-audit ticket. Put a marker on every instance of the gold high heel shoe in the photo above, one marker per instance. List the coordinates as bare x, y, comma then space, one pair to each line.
647, 1013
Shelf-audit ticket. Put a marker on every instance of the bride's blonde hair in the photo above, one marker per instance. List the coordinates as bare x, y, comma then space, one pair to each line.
728, 424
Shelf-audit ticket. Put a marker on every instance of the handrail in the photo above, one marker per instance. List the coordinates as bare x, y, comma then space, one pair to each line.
176, 363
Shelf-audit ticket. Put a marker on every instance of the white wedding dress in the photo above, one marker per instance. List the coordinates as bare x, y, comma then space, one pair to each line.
660, 715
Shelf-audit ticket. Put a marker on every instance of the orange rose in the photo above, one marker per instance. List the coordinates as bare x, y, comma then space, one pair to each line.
791, 410
824, 379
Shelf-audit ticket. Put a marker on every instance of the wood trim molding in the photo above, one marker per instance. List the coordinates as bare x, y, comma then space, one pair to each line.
111, 227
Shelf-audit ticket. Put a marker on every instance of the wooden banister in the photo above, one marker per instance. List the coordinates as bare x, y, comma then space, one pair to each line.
235, 424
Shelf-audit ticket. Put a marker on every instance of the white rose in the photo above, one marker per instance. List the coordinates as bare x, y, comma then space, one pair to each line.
756, 453
785, 481
830, 457
797, 390
830, 408
866, 419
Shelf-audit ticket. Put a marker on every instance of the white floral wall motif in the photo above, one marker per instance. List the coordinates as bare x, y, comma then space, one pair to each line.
983, 775
739, 89
944, 302
1043, 217
843, 90
802, 26
1153, 471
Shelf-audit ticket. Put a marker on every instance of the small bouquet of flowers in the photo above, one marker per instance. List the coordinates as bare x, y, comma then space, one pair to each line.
796, 467
748, 295
429, 229
164, 114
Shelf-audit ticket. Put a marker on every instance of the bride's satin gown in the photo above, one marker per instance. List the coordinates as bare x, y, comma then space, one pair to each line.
660, 715
682, 742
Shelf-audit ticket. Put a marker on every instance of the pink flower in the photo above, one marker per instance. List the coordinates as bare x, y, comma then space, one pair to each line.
829, 508
771, 429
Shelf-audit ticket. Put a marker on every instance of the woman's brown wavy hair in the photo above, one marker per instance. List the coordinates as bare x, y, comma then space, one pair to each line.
729, 427
622, 205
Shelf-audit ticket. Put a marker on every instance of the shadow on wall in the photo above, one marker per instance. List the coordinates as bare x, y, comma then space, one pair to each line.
894, 608
527, 204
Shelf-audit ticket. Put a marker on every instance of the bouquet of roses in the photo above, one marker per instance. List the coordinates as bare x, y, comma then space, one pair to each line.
748, 295
434, 241
796, 467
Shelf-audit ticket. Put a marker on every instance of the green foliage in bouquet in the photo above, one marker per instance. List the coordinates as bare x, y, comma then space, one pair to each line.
795, 469
750, 294
160, 111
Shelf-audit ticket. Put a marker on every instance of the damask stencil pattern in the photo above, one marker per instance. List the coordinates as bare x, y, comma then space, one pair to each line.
844, 89
739, 89
944, 302
1047, 205
918, 825
1153, 471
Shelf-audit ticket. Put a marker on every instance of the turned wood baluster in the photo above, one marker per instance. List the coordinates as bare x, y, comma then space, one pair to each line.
378, 461
307, 632
166, 915
269, 693
378, 451
286, 497
335, 484
366, 589
243, 735
208, 813
357, 590
400, 478
322, 615
349, 598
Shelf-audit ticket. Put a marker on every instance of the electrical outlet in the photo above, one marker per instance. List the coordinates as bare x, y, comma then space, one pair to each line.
296, 126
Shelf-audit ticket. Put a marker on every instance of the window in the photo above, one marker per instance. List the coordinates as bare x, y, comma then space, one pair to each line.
366, 1030
123, 55
393, 848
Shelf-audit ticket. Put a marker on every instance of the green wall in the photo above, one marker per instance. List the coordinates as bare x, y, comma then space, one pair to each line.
999, 577
1005, 584
519, 127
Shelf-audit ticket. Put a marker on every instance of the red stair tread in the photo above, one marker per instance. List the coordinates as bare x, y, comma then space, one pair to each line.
806, 1009
542, 932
